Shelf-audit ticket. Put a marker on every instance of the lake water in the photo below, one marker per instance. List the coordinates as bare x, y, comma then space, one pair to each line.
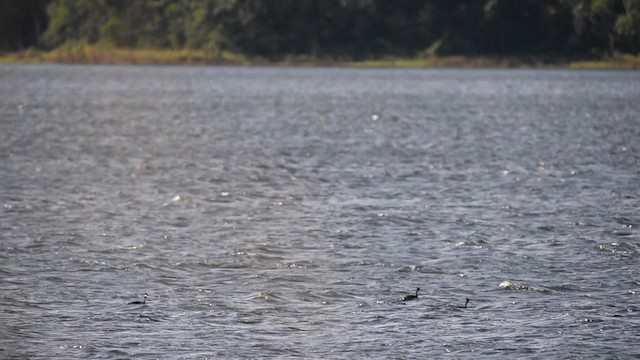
283, 212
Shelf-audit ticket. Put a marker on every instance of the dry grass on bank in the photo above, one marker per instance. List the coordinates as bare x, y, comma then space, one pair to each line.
628, 62
97, 54
93, 54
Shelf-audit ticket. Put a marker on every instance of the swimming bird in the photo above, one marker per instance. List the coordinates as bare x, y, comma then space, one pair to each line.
411, 296
465, 304
139, 302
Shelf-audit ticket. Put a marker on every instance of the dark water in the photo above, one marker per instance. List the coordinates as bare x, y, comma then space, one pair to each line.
273, 212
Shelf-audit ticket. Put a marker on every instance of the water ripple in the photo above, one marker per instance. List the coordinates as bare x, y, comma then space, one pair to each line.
272, 212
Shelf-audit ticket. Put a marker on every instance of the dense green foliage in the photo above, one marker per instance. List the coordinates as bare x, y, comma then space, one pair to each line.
352, 29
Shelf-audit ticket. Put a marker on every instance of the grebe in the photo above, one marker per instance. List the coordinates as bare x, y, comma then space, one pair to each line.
139, 302
465, 304
411, 297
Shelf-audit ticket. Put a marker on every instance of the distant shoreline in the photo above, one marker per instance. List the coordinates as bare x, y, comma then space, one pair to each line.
102, 55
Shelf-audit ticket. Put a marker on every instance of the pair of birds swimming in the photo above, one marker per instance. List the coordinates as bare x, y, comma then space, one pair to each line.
414, 297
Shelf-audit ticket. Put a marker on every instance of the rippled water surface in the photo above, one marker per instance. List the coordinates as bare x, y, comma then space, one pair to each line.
275, 212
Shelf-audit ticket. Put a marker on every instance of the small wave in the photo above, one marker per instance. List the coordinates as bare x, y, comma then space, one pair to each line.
622, 248
174, 200
409, 268
269, 296
147, 318
304, 264
508, 285
627, 222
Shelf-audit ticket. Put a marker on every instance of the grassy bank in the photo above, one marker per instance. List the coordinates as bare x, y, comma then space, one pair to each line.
455, 62
620, 62
94, 54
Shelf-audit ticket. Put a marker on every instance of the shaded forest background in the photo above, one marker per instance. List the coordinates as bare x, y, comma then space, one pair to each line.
339, 29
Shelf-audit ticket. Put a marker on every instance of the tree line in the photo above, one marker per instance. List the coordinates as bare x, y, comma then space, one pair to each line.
345, 29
